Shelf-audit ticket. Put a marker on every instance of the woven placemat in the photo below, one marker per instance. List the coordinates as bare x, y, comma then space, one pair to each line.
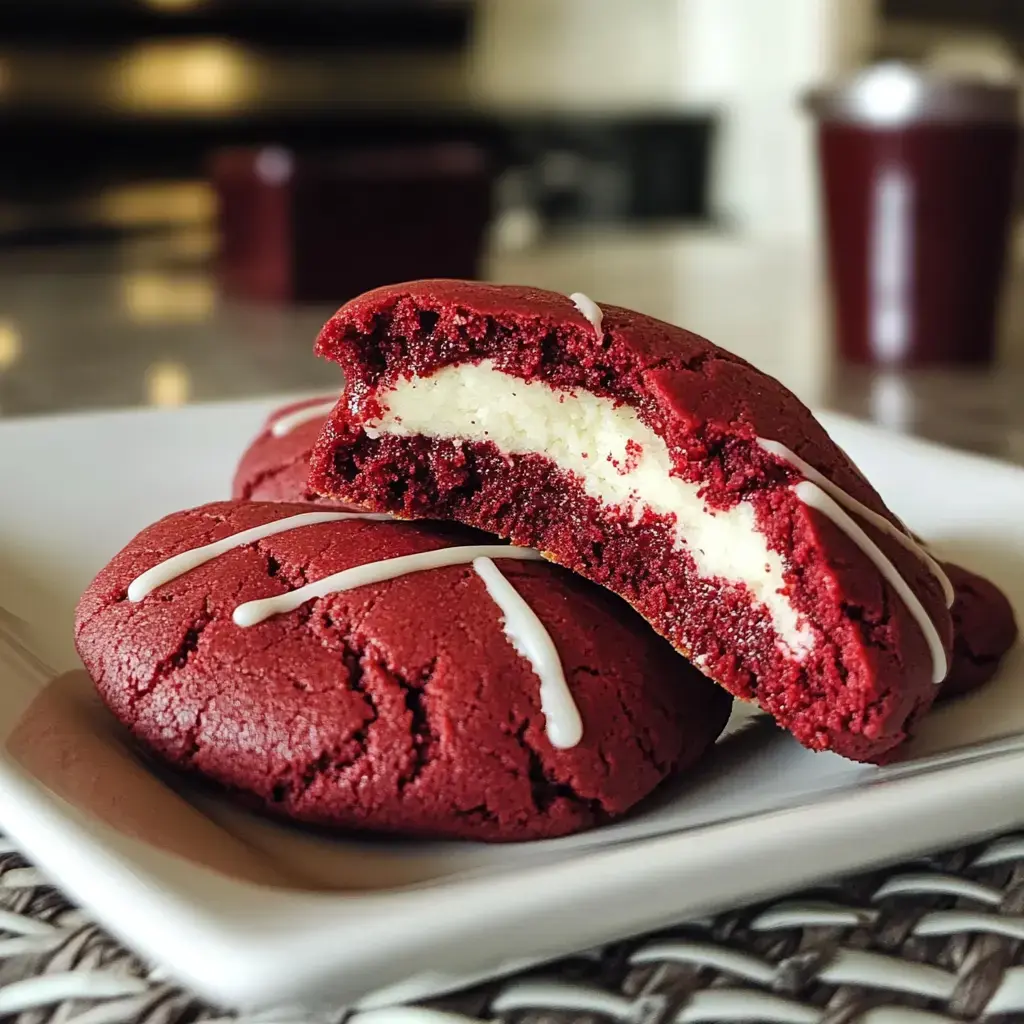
936, 940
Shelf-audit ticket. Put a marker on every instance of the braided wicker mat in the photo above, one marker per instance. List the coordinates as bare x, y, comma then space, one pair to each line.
936, 940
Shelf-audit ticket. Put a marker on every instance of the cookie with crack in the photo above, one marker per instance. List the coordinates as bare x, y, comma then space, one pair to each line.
660, 466
275, 466
361, 673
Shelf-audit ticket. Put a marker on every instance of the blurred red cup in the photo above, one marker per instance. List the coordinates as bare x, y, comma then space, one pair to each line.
918, 178
320, 227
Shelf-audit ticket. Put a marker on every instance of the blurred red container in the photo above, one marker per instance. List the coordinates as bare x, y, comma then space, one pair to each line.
918, 179
299, 228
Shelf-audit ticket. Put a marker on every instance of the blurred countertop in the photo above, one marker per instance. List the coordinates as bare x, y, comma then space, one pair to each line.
141, 323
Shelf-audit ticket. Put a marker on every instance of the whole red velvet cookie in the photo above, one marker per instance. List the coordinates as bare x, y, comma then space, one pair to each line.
442, 684
275, 467
670, 471
984, 629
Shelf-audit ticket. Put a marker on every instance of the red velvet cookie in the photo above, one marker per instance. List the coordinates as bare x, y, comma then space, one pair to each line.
275, 467
652, 462
984, 629
468, 690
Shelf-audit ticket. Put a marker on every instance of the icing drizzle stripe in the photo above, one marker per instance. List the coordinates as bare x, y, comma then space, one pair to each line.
253, 612
284, 425
815, 497
178, 565
591, 310
526, 633
853, 505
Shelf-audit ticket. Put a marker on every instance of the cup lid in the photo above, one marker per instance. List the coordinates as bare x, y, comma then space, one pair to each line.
894, 94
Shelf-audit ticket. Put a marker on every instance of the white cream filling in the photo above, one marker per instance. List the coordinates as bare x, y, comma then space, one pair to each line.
589, 437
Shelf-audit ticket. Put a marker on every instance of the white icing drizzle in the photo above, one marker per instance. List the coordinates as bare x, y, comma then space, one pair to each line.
178, 565
526, 633
286, 424
814, 497
254, 612
524, 630
853, 505
591, 310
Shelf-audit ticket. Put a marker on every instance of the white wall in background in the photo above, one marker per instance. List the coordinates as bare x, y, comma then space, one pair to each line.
756, 58
748, 59
574, 54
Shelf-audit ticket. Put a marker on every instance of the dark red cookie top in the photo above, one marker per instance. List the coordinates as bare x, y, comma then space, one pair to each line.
984, 629
275, 467
398, 706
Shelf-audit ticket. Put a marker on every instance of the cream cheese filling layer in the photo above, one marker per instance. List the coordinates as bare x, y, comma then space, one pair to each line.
617, 458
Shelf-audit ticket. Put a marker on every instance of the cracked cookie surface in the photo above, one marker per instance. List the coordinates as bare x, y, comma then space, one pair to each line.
399, 706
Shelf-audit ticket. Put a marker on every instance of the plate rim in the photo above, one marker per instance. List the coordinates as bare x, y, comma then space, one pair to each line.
224, 959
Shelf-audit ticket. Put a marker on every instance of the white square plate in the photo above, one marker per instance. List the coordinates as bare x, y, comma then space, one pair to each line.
252, 913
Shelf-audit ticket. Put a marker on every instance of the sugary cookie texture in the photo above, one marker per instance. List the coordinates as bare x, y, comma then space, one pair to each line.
351, 672
660, 466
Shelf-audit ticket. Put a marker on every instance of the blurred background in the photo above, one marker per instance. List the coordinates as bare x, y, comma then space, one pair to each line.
189, 187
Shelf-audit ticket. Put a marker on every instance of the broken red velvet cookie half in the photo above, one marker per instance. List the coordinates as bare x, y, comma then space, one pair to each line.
660, 466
